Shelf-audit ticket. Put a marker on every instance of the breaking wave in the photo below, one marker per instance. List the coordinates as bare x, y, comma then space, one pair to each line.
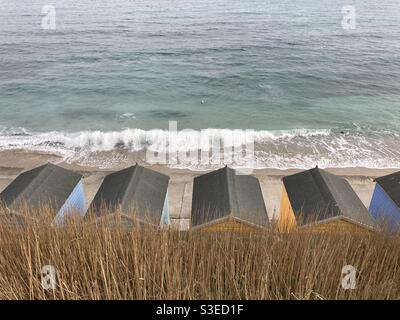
298, 148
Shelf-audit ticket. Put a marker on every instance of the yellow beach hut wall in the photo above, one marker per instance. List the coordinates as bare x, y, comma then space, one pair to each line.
228, 225
336, 225
287, 220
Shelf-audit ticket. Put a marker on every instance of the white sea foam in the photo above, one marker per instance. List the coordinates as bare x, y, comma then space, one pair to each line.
298, 148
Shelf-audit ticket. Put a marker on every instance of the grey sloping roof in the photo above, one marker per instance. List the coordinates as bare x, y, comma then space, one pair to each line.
45, 185
317, 195
135, 190
391, 185
223, 193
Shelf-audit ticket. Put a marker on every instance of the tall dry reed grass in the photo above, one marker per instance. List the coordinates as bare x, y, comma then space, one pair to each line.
98, 262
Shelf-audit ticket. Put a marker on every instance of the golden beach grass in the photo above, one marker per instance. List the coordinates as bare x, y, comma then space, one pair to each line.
97, 262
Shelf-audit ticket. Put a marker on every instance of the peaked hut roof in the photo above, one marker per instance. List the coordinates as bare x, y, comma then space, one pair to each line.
223, 194
48, 184
133, 190
317, 195
391, 184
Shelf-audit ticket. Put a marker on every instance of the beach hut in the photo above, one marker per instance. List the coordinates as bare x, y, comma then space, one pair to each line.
385, 202
226, 201
317, 200
134, 194
47, 186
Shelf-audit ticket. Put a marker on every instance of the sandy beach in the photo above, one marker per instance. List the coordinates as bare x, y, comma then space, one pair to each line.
13, 163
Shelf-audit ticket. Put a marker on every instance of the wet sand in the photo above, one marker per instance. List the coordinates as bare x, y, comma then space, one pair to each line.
13, 163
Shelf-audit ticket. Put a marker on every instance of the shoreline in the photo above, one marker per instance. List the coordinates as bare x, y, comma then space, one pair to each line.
280, 149
22, 160
13, 162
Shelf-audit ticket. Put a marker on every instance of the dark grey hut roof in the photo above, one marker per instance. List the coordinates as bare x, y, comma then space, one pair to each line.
317, 195
391, 184
134, 190
45, 185
224, 194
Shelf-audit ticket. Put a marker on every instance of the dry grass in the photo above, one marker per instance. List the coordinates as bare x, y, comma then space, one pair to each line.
96, 262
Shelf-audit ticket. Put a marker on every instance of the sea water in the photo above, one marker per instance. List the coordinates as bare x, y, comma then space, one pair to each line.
102, 86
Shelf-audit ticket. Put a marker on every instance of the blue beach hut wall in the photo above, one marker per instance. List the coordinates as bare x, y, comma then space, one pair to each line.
74, 204
385, 202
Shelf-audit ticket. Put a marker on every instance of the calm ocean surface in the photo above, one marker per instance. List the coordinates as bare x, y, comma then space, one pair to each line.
105, 83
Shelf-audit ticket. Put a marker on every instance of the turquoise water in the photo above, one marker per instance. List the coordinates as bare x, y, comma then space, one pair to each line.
113, 72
